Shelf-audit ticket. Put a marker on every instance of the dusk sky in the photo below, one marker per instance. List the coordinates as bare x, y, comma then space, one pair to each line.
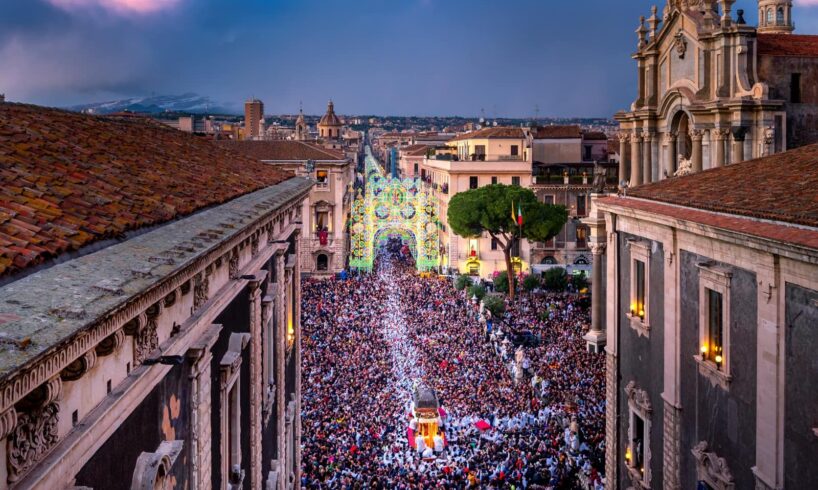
387, 57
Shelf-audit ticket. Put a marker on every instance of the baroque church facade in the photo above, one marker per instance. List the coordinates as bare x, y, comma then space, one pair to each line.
713, 90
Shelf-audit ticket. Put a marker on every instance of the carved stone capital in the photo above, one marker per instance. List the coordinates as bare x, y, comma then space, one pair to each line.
624, 137
201, 290
670, 137
696, 134
720, 134
233, 265
597, 249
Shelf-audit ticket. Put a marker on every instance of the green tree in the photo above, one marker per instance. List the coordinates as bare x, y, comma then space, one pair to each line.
478, 291
462, 282
495, 304
489, 210
531, 282
580, 281
501, 282
556, 279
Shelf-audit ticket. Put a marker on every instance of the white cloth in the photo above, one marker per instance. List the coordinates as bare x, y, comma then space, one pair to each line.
438, 443
420, 443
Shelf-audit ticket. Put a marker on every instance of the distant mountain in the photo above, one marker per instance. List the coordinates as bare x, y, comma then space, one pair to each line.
190, 102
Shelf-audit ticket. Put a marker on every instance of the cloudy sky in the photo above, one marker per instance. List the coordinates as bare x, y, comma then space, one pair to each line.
412, 57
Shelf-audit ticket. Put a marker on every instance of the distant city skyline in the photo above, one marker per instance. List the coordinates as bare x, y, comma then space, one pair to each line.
415, 57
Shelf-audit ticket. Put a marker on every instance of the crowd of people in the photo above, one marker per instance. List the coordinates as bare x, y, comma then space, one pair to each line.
369, 339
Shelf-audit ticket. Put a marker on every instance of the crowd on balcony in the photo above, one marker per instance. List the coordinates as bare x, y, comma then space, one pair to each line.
367, 340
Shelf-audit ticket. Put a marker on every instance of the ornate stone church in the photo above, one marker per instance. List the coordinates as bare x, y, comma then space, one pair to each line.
713, 90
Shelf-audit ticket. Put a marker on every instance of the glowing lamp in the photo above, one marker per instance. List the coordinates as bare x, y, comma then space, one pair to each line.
628, 454
718, 359
704, 348
642, 313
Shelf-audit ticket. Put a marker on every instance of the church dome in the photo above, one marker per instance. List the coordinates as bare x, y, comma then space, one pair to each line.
330, 119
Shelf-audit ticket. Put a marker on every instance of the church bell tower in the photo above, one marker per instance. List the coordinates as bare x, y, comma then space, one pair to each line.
775, 17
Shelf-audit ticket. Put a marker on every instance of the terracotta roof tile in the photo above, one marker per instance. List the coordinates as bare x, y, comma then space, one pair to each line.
490, 133
415, 150
801, 46
282, 150
764, 229
781, 187
67, 179
558, 132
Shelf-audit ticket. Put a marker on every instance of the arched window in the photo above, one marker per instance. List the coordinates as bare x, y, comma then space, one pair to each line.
322, 262
549, 260
769, 16
779, 18
581, 260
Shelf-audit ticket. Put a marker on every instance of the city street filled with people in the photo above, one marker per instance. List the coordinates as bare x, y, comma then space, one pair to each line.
512, 414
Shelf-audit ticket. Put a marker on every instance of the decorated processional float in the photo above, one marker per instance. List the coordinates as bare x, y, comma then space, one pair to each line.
392, 207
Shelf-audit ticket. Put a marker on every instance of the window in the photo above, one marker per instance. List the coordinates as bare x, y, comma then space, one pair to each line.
473, 182
494, 244
493, 179
639, 308
779, 17
473, 248
769, 16
795, 88
581, 211
322, 178
587, 153
515, 150
582, 237
714, 324
322, 262
515, 180
637, 451
548, 199
321, 221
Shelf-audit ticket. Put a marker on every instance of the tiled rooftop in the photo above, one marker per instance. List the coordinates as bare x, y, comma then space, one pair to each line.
67, 179
800, 46
557, 132
488, 133
282, 150
781, 187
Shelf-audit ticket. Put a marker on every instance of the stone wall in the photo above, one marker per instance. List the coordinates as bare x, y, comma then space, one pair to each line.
801, 392
802, 118
725, 419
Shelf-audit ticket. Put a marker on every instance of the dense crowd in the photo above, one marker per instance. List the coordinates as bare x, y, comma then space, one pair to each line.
369, 339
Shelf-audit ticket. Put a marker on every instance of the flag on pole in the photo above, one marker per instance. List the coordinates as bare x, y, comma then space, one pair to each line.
513, 216
519, 215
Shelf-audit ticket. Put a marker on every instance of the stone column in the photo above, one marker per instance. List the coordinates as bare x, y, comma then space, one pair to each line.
596, 335
595, 221
297, 347
671, 435
670, 154
696, 155
280, 318
257, 383
200, 357
636, 160
739, 134
624, 161
647, 158
611, 426
719, 139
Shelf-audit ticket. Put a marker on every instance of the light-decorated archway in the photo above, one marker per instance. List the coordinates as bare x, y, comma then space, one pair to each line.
393, 206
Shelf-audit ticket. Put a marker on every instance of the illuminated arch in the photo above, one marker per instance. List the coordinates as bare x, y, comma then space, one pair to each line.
393, 206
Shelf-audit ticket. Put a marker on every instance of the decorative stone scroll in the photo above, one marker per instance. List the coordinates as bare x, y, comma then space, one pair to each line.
36, 431
233, 265
146, 339
201, 289
152, 470
711, 468
79, 367
639, 398
110, 344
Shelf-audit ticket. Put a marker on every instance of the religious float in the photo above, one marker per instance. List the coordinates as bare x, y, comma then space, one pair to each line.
427, 419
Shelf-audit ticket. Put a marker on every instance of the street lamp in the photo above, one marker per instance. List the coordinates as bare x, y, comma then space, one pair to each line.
474, 298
